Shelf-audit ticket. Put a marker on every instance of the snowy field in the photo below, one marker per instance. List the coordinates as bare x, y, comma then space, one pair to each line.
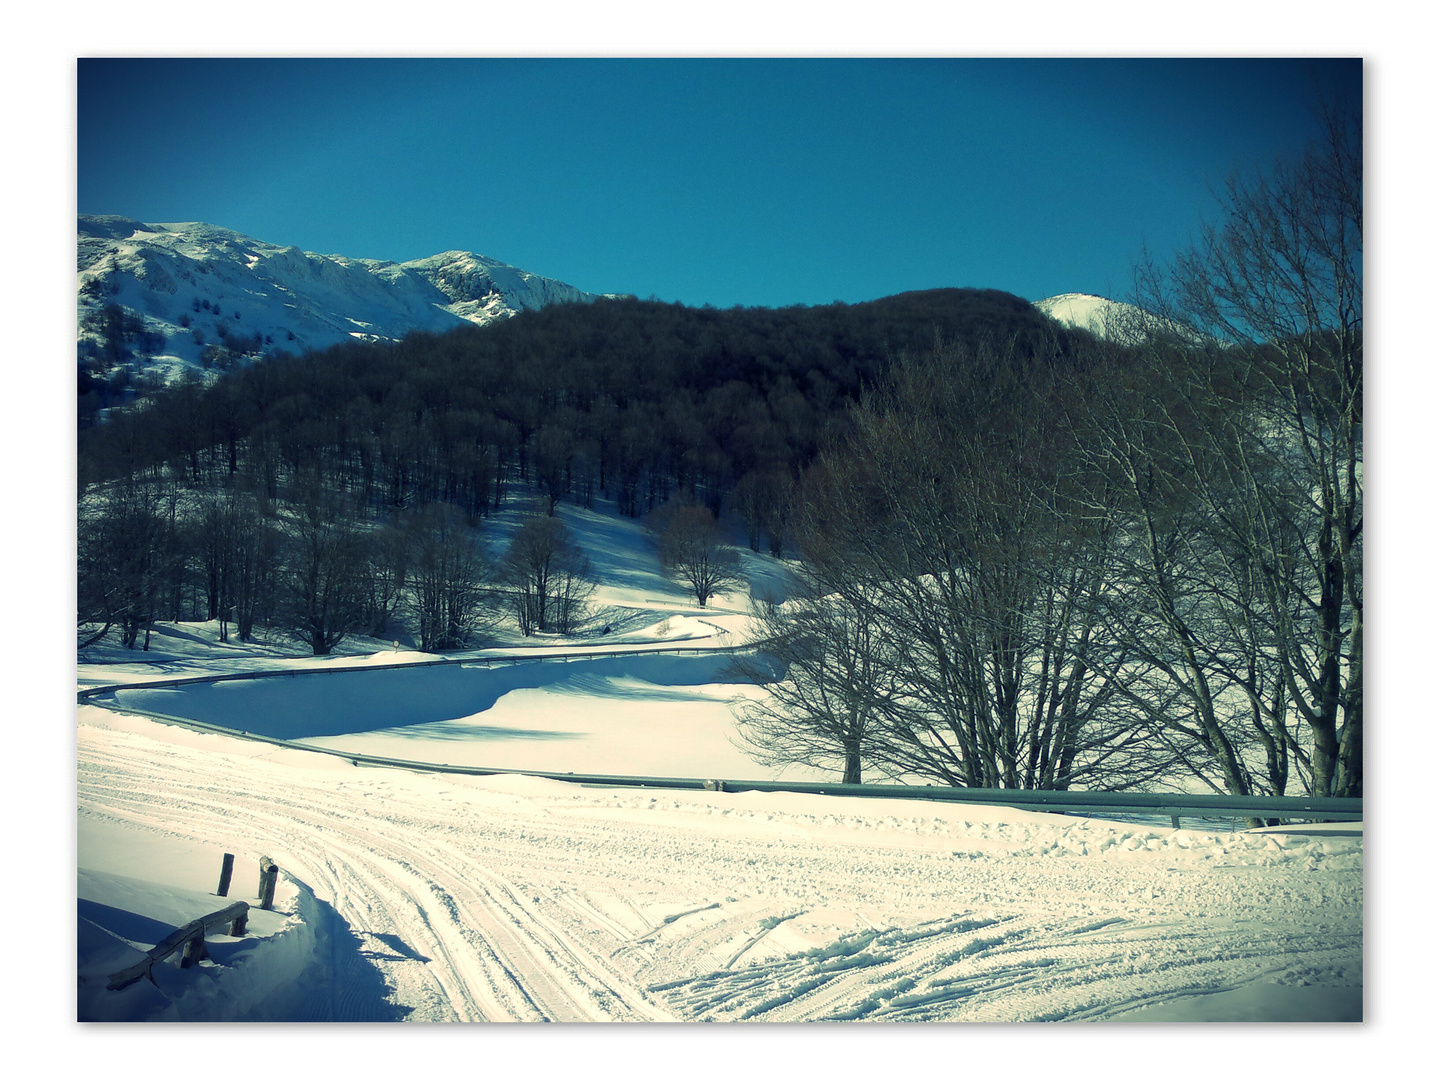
425, 897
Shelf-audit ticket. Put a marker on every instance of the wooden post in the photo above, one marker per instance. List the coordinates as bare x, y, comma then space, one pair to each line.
227, 866
195, 950
268, 873
237, 928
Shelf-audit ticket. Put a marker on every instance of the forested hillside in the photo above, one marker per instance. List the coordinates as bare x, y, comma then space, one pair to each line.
640, 400
1031, 557
315, 492
1141, 565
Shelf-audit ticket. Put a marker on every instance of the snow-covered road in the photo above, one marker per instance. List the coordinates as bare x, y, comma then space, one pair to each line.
507, 898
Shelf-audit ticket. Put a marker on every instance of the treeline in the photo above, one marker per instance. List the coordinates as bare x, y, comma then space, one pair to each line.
314, 572
341, 492
1140, 568
640, 401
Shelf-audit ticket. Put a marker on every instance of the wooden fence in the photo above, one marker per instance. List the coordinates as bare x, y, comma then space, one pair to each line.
191, 936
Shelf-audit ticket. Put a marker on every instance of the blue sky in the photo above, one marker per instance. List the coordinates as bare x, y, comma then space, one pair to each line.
759, 181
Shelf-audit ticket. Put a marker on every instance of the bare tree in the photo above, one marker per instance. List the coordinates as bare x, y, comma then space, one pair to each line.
747, 499
692, 549
944, 523
546, 578
211, 532
322, 569
762, 500
447, 579
256, 565
1175, 589
553, 456
1277, 286
384, 578
827, 683
127, 552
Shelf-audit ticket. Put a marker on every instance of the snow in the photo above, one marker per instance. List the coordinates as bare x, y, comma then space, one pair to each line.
1084, 311
1270, 1000
183, 277
135, 888
1108, 319
625, 904
422, 896
630, 714
426, 897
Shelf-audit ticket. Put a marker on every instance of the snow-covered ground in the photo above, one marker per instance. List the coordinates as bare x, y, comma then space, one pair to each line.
507, 898
628, 714
416, 896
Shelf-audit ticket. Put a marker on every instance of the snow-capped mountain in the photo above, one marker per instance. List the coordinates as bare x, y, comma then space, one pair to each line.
199, 294
1110, 320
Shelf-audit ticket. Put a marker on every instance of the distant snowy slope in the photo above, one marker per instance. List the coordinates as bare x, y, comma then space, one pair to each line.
200, 294
1107, 319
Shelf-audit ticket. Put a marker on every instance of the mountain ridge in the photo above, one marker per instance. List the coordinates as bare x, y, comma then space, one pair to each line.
1110, 320
161, 298
197, 294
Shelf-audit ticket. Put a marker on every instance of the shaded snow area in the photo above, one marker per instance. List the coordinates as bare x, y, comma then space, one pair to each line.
428, 897
629, 714
135, 887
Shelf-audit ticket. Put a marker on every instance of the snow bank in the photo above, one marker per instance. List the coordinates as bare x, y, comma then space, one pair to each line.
674, 628
636, 714
119, 918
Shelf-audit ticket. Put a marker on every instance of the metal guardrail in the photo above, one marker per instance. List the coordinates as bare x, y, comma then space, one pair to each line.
517, 648
1069, 802
449, 661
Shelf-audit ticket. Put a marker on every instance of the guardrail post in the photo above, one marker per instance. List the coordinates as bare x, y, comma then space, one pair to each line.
227, 866
268, 873
195, 949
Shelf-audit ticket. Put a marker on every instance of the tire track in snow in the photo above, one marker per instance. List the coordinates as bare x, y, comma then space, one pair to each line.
366, 893
377, 895
522, 905
491, 958
380, 894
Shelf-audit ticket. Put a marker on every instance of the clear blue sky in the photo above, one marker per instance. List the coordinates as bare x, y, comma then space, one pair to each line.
766, 182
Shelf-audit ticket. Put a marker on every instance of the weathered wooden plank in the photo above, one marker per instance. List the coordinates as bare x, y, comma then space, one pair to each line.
181, 936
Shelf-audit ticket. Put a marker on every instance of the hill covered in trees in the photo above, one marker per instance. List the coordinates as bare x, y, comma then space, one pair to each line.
1030, 557
637, 399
